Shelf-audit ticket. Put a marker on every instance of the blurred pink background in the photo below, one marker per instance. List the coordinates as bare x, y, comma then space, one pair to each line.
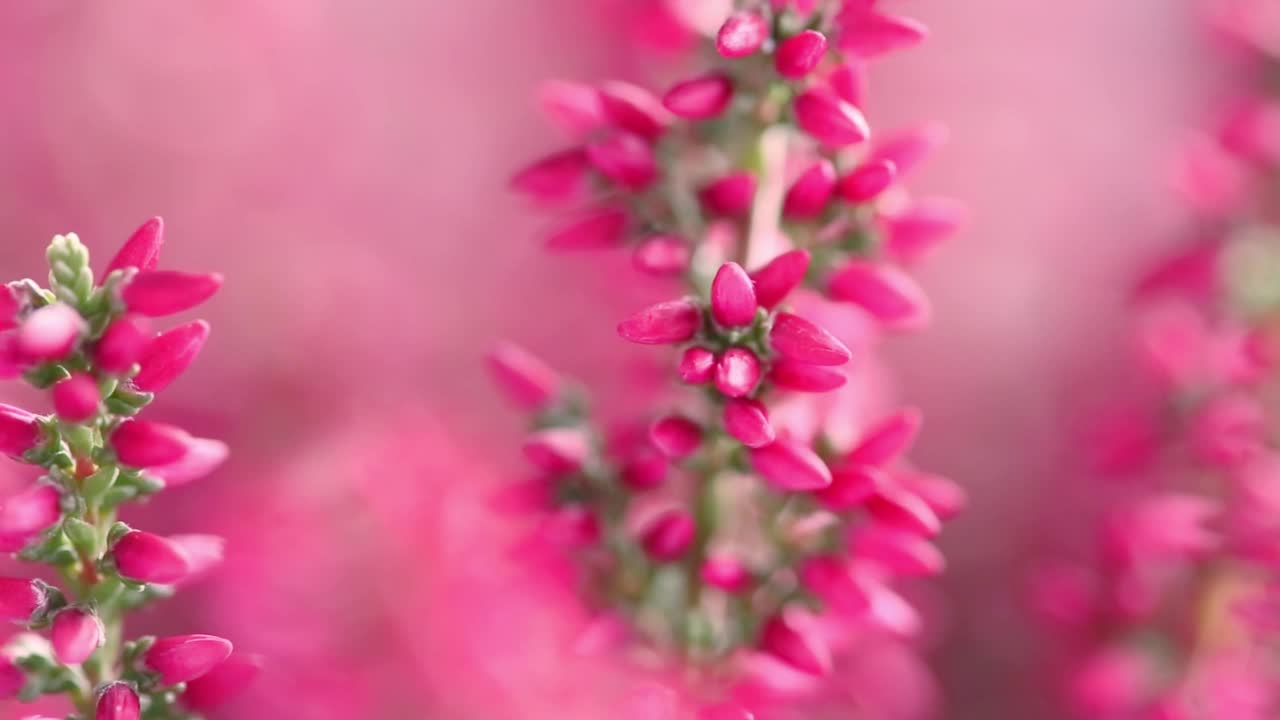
344, 164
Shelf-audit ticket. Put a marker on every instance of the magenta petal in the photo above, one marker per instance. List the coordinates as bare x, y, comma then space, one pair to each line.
800, 648
887, 293
887, 440
523, 378
742, 34
226, 680
803, 377
76, 634
729, 196
19, 430
799, 54
697, 365
809, 195
157, 293
596, 229
748, 422
669, 535
737, 372
867, 181
557, 177
122, 344
142, 443
203, 456
788, 466
795, 338
142, 249
50, 332
182, 658
675, 436
117, 701
665, 323
830, 120
779, 277
634, 109
733, 297
169, 354
700, 98
19, 599
626, 159
148, 558
76, 398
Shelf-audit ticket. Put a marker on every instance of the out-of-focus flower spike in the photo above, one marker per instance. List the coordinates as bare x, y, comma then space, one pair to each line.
662, 255
157, 293
888, 439
122, 344
943, 495
117, 701
849, 81
830, 120
526, 380
557, 450
899, 509
916, 230
886, 292
797, 339
665, 323
675, 436
780, 276
203, 456
668, 536
76, 398
557, 177
144, 557
634, 109
143, 443
573, 106
226, 680
809, 194
700, 98
183, 658
697, 365
748, 422
867, 181
50, 332
729, 196
725, 572
626, 159
19, 430
799, 647
742, 34
803, 377
851, 486
20, 598
169, 354
799, 54
733, 297
868, 33
904, 554
737, 372
789, 466
142, 249
599, 228
75, 634
832, 579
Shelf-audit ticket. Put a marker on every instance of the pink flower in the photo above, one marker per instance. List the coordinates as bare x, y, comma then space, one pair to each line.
644, 470
748, 422
668, 536
557, 177
809, 194
830, 120
143, 557
141, 250
790, 467
851, 487
20, 598
697, 365
599, 228
157, 293
868, 33
803, 377
905, 554
19, 430
675, 436
122, 344
76, 398
50, 332
725, 572
117, 701
867, 181
169, 354
738, 372
905, 149
557, 450
76, 634
779, 277
730, 195
885, 292
525, 379
8, 308
742, 34
182, 658
797, 646
634, 109
143, 443
733, 297
27, 514
662, 255
666, 323
226, 680
832, 579
913, 232
888, 439
896, 508
797, 339
626, 159
203, 456
700, 98
799, 54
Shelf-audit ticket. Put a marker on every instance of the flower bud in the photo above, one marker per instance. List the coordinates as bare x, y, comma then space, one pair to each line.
557, 450
525, 379
832, 579
27, 514
851, 486
733, 298
742, 34
905, 149
867, 181
76, 398
50, 332
634, 109
665, 323
884, 442
697, 365
789, 466
700, 98
169, 354
76, 634
830, 120
900, 553
117, 701
226, 680
595, 229
943, 496
809, 194
800, 648
668, 536
675, 436
556, 177
799, 54
729, 196
662, 255
182, 658
779, 277
141, 250
885, 292
147, 558
202, 458
748, 422
19, 430
122, 344
725, 572
737, 372
915, 231
795, 338
626, 159
157, 293
898, 509
142, 443
866, 33
644, 470
20, 598
803, 377
849, 81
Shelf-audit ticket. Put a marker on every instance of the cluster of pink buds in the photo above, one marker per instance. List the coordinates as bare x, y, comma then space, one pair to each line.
1177, 617
722, 535
92, 347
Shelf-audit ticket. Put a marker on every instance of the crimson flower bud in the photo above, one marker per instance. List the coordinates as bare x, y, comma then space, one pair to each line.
675, 436
799, 54
733, 297
634, 109
556, 177
50, 332
697, 365
867, 33
595, 229
117, 701
626, 159
803, 377
779, 277
830, 120
795, 338
644, 470
885, 292
148, 558
122, 344
19, 430
156, 293
729, 196
141, 250
169, 354
748, 422
182, 658
725, 572
798, 647
142, 443
700, 98
20, 598
557, 450
851, 486
742, 34
76, 634
809, 195
832, 579
868, 181
665, 323
887, 440
789, 466
897, 508
223, 682
76, 398
668, 536
662, 255
737, 372
524, 378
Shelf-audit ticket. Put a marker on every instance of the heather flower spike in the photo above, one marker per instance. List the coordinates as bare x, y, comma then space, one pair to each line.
734, 520
87, 343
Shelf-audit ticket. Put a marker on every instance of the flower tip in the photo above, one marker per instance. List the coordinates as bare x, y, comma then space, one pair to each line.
742, 34
665, 323
142, 249
733, 297
76, 633
183, 658
525, 379
797, 339
799, 54
117, 701
149, 558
